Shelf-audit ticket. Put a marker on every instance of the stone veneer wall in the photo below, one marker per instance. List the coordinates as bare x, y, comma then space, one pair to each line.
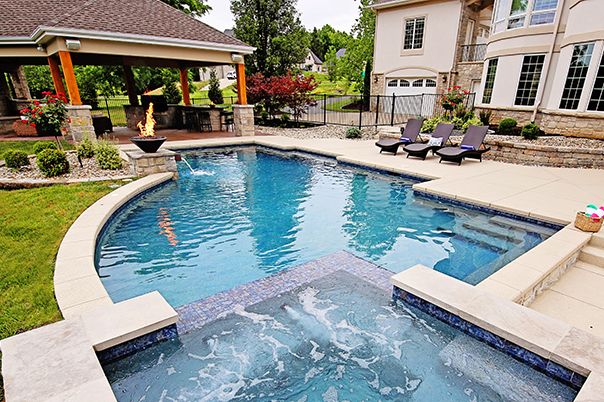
80, 122
541, 155
243, 116
585, 125
468, 72
144, 164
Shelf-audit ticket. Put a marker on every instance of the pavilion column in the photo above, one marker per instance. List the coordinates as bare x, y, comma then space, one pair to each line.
20, 83
70, 78
55, 72
184, 85
243, 114
130, 86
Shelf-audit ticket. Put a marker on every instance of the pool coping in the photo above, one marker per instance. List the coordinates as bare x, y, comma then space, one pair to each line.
80, 293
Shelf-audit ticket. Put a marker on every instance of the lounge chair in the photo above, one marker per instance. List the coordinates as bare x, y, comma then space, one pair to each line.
470, 146
408, 136
419, 150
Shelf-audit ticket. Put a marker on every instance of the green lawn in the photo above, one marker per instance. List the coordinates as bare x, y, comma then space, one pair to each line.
26, 146
32, 225
338, 106
332, 87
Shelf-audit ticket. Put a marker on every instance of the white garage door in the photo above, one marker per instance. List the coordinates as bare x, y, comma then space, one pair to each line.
410, 86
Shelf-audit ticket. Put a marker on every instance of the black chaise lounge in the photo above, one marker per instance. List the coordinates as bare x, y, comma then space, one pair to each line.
419, 150
408, 136
470, 146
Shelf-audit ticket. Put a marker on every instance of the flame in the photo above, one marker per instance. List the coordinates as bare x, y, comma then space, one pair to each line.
148, 130
167, 227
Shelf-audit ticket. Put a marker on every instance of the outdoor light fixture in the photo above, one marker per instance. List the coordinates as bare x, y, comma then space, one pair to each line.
237, 58
72, 44
41, 48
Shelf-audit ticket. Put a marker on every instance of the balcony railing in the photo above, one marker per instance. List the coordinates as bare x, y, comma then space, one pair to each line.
473, 52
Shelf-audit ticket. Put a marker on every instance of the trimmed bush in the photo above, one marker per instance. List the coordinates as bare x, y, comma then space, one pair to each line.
52, 162
531, 131
507, 125
108, 156
42, 145
353, 132
15, 159
85, 148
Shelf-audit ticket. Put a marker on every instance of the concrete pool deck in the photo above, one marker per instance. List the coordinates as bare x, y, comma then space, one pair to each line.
550, 194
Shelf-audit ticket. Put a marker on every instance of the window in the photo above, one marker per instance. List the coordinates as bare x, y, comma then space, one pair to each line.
596, 102
404, 83
529, 80
392, 83
430, 83
418, 83
414, 33
490, 81
575, 80
511, 14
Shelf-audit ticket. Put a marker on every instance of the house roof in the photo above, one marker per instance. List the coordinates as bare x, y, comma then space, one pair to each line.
341, 52
31, 20
315, 58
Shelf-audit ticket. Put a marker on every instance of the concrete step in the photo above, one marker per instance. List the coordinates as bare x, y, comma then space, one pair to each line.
592, 255
388, 131
597, 240
589, 267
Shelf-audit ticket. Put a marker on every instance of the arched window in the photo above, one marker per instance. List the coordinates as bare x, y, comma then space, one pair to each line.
404, 83
418, 83
430, 83
393, 83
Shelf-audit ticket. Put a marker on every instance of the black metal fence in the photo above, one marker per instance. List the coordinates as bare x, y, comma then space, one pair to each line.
379, 110
345, 110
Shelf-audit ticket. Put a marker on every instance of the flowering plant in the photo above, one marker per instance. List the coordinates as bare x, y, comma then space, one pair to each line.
453, 97
49, 115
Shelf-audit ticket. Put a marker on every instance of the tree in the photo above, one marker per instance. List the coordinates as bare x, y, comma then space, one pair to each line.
323, 40
196, 8
275, 29
172, 93
214, 92
367, 85
39, 80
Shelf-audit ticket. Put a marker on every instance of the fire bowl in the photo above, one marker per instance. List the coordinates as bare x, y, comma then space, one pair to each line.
148, 145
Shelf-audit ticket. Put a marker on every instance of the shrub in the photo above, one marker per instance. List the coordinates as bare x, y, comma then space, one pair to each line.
507, 125
531, 131
49, 116
108, 156
474, 121
85, 148
171, 93
353, 132
15, 159
485, 117
52, 162
214, 92
431, 123
42, 145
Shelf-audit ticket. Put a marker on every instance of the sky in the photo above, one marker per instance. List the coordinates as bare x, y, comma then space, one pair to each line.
340, 14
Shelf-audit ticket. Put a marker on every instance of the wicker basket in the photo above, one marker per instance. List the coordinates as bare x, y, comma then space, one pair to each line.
587, 224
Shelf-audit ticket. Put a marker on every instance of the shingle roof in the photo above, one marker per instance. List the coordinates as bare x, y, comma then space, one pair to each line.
135, 17
315, 58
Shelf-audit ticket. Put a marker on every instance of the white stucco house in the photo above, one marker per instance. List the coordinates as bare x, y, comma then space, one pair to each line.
426, 46
544, 62
313, 63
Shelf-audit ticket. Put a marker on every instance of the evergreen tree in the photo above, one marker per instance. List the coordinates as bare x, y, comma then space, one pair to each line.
214, 92
274, 28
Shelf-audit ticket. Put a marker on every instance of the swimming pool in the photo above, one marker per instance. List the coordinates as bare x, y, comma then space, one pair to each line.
335, 338
253, 212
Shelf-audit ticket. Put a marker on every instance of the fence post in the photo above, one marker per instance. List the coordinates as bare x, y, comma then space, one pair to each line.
324, 109
361, 113
377, 111
392, 114
107, 106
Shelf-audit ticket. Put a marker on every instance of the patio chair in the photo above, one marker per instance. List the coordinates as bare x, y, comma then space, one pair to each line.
227, 119
408, 136
438, 140
205, 124
470, 146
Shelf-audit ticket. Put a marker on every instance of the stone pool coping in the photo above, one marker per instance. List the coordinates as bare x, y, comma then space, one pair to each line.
571, 347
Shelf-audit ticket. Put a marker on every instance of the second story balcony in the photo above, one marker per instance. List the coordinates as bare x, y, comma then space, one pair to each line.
473, 53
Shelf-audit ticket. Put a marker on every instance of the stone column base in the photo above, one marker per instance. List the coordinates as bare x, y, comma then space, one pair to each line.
244, 120
80, 122
144, 164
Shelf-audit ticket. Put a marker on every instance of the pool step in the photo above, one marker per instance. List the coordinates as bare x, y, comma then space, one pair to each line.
511, 235
592, 255
520, 225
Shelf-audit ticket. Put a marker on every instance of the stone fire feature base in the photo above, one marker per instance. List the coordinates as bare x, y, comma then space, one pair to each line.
144, 164
80, 122
244, 120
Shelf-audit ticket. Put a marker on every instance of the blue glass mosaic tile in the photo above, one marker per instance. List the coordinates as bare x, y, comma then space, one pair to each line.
137, 344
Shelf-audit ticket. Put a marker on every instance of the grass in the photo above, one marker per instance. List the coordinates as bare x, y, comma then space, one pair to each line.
339, 106
32, 225
26, 146
328, 87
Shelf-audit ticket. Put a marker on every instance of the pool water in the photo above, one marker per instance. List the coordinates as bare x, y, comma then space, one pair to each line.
334, 339
248, 213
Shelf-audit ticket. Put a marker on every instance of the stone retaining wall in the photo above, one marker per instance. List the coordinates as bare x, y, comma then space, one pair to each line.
541, 155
